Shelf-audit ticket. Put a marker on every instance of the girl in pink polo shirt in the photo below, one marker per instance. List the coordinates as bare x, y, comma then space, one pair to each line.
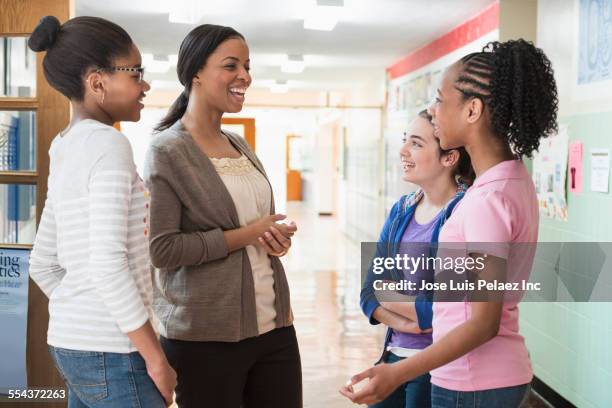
498, 104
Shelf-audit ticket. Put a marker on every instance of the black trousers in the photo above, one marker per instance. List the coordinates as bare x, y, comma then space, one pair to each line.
259, 372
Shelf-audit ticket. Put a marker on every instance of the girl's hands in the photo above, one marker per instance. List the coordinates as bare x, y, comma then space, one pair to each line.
383, 379
164, 378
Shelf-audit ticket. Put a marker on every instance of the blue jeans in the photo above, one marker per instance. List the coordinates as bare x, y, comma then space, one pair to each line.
509, 397
413, 394
100, 380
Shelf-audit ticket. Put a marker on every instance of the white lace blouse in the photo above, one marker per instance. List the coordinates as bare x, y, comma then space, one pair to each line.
252, 196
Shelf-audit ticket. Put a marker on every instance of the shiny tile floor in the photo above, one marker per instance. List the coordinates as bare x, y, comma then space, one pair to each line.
336, 341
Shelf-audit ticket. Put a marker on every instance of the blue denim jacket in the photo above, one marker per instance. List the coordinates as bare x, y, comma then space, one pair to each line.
388, 245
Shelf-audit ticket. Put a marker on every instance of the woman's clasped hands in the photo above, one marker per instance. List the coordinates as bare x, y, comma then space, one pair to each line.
274, 237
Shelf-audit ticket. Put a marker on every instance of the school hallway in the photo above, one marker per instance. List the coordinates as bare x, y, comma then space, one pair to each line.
326, 94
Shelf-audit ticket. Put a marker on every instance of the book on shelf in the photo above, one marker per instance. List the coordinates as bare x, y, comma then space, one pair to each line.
9, 142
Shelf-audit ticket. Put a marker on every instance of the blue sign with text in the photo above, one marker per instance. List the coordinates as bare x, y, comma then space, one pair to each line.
14, 265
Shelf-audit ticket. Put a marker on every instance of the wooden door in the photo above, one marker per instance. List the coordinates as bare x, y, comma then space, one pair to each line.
244, 127
294, 175
48, 112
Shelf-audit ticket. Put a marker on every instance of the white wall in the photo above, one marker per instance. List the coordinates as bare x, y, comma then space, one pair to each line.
558, 37
272, 127
140, 133
324, 177
360, 198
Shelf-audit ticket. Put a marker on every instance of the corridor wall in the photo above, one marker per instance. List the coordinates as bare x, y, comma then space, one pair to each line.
570, 342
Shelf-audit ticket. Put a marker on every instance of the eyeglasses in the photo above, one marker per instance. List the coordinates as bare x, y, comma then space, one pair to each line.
139, 70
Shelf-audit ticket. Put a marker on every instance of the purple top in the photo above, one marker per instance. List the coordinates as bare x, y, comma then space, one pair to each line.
415, 243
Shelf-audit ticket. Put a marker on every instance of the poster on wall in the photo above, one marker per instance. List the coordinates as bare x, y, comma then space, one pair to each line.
593, 50
595, 41
14, 265
549, 173
600, 170
575, 167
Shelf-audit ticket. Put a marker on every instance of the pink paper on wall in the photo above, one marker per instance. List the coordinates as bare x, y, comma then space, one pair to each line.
574, 169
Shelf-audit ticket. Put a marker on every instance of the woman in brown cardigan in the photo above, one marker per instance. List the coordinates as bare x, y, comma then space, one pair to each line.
222, 297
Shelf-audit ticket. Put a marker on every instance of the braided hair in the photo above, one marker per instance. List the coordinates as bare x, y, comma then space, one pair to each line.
515, 81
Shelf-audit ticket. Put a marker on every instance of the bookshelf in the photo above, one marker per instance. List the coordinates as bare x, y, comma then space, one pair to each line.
30, 109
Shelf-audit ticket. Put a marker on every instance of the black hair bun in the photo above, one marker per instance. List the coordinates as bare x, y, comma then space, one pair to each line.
44, 34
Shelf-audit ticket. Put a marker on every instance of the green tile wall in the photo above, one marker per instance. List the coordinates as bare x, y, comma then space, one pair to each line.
571, 343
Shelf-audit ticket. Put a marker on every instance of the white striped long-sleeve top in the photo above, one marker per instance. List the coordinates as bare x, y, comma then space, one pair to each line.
91, 253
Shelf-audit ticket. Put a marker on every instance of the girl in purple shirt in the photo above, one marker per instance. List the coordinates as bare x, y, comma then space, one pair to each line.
411, 230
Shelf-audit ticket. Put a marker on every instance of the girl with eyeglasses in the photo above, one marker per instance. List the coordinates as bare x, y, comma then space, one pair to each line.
90, 255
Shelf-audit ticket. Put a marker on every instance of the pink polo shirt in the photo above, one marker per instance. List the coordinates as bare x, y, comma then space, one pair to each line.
501, 207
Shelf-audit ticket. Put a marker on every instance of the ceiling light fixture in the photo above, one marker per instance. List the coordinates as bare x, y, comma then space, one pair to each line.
185, 12
280, 86
158, 63
293, 64
324, 16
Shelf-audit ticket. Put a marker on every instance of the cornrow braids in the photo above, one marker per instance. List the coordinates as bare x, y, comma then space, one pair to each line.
515, 81
475, 78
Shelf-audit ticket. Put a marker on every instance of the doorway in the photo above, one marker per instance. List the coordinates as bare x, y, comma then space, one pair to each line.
244, 127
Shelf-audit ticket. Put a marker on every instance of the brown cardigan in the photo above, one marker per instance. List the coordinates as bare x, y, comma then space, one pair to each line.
202, 292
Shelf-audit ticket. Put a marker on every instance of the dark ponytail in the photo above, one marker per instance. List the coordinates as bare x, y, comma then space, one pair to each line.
73, 48
193, 54
177, 110
516, 82
463, 171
